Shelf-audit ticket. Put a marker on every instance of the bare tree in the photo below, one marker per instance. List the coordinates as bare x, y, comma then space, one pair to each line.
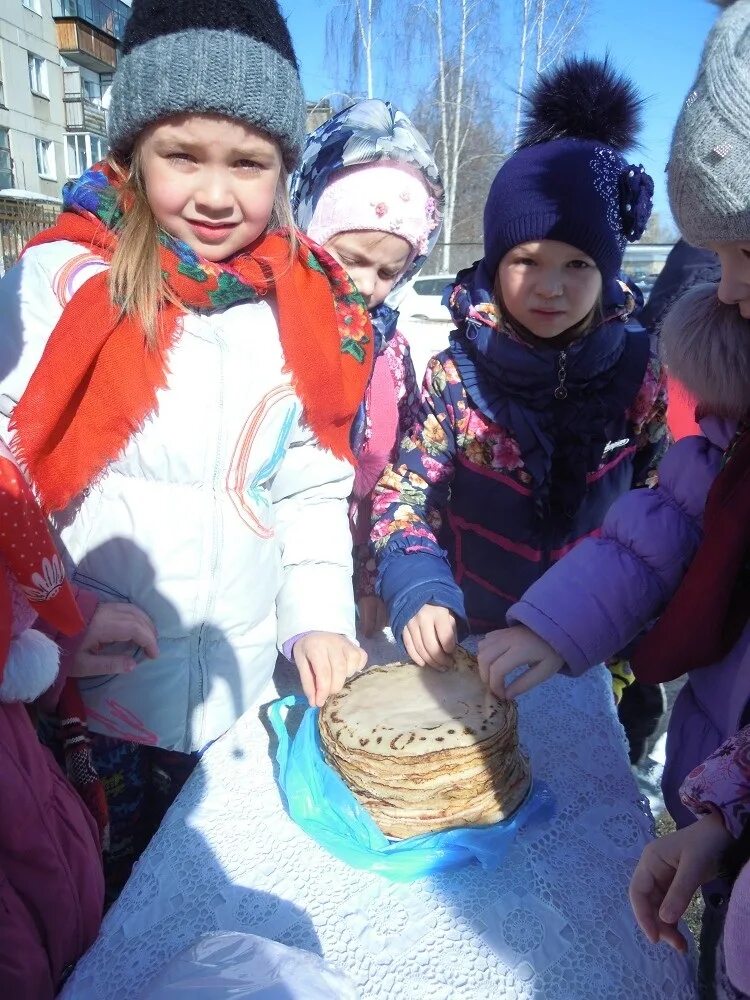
450, 37
659, 230
454, 34
557, 24
527, 9
350, 29
552, 25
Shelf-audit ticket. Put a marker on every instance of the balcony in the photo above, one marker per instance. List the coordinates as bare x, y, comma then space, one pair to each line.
89, 31
82, 114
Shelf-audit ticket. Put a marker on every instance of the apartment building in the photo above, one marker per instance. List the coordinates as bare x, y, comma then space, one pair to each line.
57, 58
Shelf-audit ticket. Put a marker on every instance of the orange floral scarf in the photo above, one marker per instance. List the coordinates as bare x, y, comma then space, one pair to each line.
97, 380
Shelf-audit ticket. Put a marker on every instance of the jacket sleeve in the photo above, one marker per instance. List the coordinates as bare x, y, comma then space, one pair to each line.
409, 400
310, 496
600, 596
722, 784
30, 306
649, 415
413, 569
407, 403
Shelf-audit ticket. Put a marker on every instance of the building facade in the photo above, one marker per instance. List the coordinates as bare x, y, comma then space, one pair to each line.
57, 58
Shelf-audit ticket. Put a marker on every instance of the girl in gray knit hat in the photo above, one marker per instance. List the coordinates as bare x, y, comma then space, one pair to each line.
189, 377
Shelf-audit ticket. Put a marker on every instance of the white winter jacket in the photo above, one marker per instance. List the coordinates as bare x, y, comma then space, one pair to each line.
223, 519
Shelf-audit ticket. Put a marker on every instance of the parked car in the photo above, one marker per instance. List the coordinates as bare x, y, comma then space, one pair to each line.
421, 300
424, 320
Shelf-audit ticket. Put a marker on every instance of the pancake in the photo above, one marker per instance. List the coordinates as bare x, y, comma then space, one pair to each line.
426, 750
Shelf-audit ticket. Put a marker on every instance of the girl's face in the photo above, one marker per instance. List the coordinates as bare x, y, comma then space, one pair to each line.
210, 181
734, 288
548, 286
373, 260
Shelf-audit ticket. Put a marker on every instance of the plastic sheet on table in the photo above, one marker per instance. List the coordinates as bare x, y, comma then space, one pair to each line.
231, 966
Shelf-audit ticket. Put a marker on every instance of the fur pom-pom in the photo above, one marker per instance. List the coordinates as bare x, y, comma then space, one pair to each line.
705, 344
31, 667
583, 99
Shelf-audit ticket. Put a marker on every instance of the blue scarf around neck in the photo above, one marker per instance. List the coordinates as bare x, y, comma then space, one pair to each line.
561, 434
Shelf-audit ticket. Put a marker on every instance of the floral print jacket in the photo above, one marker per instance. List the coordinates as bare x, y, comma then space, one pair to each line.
722, 784
458, 502
400, 378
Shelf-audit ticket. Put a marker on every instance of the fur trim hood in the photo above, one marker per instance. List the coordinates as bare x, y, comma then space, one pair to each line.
705, 344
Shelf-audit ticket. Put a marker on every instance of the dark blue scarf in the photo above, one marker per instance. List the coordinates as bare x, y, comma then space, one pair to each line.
562, 435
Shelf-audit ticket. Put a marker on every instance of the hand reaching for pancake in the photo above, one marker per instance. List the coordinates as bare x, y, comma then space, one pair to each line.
501, 652
324, 661
430, 637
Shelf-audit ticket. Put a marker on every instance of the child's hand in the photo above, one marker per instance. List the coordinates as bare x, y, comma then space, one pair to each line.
669, 872
324, 661
114, 623
372, 615
430, 636
502, 651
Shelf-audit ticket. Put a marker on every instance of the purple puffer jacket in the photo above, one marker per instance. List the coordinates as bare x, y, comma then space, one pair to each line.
607, 590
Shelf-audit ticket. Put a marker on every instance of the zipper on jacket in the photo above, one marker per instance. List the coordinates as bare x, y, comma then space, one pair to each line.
203, 667
561, 391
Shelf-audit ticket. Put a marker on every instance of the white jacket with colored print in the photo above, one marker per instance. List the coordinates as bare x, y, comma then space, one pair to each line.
223, 519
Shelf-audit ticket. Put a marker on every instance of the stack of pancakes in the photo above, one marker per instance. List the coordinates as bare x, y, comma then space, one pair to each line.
426, 750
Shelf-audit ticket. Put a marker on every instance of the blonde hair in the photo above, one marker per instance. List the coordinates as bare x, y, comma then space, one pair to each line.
136, 282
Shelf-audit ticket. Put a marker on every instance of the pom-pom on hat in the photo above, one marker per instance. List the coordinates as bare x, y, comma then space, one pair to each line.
227, 57
708, 175
568, 180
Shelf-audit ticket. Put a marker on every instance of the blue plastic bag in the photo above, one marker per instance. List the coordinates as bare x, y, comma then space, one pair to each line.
320, 802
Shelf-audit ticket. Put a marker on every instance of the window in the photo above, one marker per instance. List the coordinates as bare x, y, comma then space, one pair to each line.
83, 150
38, 75
6, 164
92, 91
45, 159
34, 5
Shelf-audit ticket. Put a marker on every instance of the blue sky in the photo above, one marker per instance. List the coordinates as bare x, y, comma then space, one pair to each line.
657, 42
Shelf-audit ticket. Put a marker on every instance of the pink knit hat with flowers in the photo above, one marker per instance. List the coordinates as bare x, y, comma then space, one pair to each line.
386, 196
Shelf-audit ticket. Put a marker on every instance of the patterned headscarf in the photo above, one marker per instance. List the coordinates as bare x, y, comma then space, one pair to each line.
369, 132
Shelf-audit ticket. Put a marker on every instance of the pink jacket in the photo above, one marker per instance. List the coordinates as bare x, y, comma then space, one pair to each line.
51, 880
391, 404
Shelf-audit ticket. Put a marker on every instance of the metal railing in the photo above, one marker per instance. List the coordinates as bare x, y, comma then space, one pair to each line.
19, 221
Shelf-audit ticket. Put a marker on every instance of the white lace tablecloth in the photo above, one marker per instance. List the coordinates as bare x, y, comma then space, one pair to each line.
552, 923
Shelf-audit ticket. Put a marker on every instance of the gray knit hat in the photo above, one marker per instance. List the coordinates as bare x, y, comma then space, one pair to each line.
229, 57
709, 162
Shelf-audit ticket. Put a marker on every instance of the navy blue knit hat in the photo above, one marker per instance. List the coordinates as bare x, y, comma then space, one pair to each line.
568, 180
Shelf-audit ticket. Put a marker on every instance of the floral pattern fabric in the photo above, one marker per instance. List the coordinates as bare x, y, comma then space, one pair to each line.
722, 782
558, 403
413, 496
398, 357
